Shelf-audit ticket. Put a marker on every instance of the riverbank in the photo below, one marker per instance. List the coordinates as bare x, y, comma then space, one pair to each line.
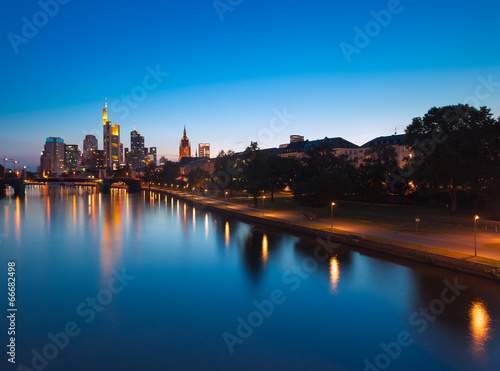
452, 257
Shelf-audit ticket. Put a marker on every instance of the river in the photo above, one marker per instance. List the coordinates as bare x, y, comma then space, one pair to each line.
145, 282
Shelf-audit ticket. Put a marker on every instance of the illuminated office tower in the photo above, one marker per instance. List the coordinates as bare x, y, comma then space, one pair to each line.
137, 155
111, 134
89, 145
52, 158
72, 157
152, 155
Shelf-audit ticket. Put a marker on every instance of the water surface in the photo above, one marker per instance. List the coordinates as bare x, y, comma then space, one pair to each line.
150, 283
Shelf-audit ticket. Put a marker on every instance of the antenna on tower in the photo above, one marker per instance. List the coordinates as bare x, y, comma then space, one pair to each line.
106, 104
134, 124
395, 130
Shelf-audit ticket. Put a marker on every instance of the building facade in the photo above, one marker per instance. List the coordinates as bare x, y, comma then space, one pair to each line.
152, 155
52, 158
90, 144
395, 141
72, 158
112, 145
184, 147
137, 153
204, 150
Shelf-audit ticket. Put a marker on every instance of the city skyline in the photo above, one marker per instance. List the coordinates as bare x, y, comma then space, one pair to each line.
356, 72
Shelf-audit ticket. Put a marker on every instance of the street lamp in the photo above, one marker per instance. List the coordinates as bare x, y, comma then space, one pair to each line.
331, 214
263, 201
476, 217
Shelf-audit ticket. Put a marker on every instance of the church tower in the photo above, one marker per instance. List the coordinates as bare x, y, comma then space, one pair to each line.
184, 148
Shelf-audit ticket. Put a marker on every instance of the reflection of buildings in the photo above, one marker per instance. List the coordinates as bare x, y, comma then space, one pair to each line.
184, 147
113, 224
112, 145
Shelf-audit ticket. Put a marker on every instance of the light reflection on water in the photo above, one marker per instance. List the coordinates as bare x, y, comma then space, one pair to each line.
187, 293
265, 251
334, 273
479, 328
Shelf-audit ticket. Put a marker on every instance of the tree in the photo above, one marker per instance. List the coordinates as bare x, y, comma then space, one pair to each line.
380, 160
170, 172
453, 149
324, 177
198, 178
255, 171
282, 173
227, 171
149, 173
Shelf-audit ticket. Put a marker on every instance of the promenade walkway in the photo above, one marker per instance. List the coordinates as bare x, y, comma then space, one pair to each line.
459, 243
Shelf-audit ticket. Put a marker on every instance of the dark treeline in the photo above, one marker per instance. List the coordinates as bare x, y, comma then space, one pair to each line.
454, 154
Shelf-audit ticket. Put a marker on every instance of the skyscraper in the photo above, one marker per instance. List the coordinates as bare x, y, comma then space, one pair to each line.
72, 157
52, 158
89, 145
184, 147
204, 150
111, 134
137, 154
152, 154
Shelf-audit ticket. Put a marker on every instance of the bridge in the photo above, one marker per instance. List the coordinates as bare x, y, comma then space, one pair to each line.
103, 185
16, 183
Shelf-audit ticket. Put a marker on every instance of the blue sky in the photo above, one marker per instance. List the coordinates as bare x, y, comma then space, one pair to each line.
230, 73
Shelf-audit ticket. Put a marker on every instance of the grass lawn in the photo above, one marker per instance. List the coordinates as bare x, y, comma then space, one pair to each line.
395, 218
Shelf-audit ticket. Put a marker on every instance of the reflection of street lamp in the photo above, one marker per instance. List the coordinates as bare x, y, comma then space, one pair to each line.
476, 217
331, 213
